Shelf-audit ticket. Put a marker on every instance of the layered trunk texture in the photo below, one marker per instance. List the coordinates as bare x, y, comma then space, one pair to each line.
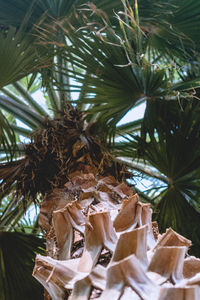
101, 243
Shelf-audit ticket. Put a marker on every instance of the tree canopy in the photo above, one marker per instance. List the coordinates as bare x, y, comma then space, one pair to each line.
103, 59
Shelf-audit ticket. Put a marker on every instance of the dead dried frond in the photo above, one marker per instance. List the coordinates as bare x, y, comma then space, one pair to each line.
119, 252
56, 152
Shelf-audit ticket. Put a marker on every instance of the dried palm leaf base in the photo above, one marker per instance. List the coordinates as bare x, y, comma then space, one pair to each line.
98, 248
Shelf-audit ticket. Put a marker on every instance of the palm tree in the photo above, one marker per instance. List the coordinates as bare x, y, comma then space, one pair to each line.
21, 55
117, 68
113, 67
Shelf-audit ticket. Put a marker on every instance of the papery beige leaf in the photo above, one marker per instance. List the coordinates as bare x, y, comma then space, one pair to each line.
99, 233
180, 293
128, 272
82, 288
132, 242
168, 262
128, 215
111, 248
42, 271
172, 238
65, 221
191, 267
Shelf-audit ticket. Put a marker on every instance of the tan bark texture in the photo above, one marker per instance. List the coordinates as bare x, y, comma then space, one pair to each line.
101, 243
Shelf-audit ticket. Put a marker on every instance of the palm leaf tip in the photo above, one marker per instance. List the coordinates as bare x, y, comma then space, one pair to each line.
7, 137
20, 55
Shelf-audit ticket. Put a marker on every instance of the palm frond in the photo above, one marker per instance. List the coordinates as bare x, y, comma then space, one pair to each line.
17, 253
115, 77
22, 112
171, 26
169, 139
13, 12
29, 99
130, 127
116, 68
173, 210
7, 137
19, 56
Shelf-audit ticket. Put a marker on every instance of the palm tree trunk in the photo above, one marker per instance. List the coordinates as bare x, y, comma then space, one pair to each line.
101, 243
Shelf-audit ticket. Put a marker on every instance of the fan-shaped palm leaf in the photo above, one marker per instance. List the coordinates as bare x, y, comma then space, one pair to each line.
110, 86
19, 56
122, 68
169, 142
13, 12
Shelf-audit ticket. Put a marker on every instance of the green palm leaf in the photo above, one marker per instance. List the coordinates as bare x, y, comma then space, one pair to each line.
114, 78
17, 253
13, 12
172, 26
22, 111
169, 141
7, 137
18, 56
174, 211
119, 68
